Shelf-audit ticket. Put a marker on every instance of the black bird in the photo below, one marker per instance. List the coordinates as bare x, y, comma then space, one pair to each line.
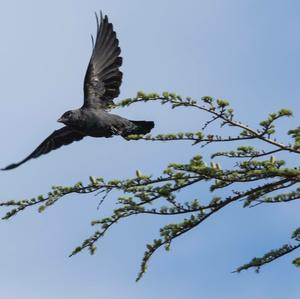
101, 85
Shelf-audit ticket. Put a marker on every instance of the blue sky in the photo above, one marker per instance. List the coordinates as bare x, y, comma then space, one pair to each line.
245, 51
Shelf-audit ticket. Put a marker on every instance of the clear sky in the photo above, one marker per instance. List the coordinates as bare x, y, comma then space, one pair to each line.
245, 51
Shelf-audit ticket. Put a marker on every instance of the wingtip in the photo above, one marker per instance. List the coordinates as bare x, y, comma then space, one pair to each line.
9, 167
12, 166
101, 19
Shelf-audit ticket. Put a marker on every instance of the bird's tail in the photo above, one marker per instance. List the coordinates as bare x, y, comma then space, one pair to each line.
142, 127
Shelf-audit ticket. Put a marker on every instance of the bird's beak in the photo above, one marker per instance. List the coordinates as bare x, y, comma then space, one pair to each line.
60, 120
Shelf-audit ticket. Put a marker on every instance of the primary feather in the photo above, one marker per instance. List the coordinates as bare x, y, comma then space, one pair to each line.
103, 77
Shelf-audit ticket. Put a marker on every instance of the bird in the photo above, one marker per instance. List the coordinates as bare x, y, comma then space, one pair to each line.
101, 85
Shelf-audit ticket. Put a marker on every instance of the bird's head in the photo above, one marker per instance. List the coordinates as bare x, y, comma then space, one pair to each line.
69, 117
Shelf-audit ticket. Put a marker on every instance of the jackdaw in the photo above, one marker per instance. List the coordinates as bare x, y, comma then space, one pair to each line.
101, 85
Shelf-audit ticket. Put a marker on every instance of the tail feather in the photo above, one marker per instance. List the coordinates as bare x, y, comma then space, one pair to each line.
142, 127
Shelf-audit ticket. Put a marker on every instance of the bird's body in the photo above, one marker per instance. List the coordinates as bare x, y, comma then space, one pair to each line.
101, 85
99, 123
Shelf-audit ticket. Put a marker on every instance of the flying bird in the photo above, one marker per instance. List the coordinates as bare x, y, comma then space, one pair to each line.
101, 85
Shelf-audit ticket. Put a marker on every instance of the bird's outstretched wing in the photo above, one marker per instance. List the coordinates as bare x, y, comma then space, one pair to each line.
57, 139
103, 78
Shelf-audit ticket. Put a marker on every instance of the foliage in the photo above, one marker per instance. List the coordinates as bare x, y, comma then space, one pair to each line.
256, 177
